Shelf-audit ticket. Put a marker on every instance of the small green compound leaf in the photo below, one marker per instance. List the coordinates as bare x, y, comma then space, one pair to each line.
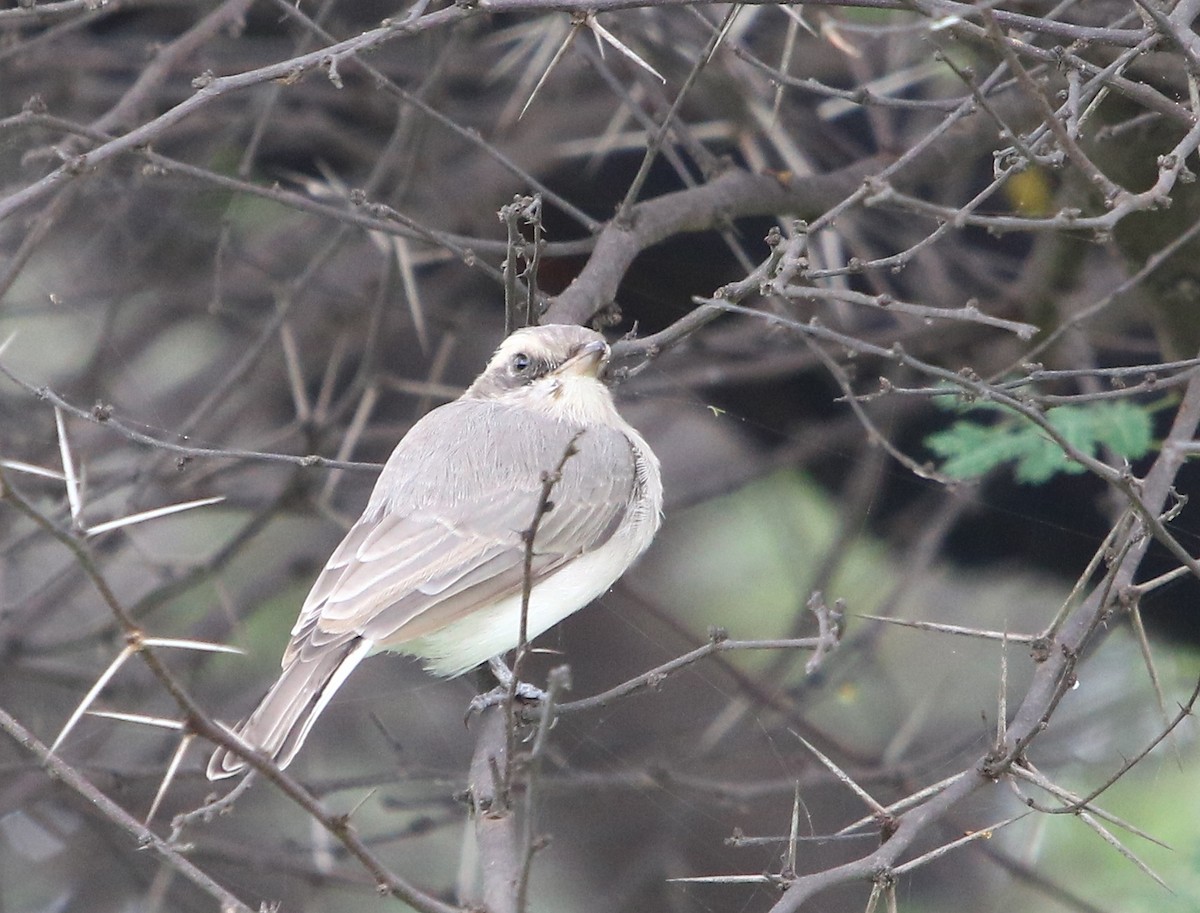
1042, 458
1126, 428
970, 448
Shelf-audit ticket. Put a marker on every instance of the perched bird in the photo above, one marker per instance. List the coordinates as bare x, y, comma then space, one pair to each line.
435, 566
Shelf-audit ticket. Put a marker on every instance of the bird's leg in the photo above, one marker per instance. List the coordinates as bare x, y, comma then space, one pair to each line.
499, 694
504, 676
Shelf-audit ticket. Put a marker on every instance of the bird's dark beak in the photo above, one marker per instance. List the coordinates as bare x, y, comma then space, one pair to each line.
586, 361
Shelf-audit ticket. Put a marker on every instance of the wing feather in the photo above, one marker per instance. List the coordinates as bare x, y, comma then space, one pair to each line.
442, 533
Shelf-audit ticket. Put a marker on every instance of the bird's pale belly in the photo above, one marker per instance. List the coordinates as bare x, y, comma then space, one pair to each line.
466, 643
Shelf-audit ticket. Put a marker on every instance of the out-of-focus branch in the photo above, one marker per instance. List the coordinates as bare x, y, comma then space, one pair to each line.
146, 838
198, 722
737, 194
733, 195
102, 415
1050, 678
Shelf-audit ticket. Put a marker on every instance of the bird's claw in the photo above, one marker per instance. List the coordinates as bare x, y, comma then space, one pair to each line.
523, 691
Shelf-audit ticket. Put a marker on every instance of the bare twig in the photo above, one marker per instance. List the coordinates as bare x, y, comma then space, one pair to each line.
146, 838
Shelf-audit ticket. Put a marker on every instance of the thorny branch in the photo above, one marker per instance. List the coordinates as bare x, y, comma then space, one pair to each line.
198, 722
143, 835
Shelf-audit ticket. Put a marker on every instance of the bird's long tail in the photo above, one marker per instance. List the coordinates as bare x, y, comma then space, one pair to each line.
281, 723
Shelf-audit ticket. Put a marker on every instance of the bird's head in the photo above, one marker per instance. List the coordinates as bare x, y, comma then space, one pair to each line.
553, 369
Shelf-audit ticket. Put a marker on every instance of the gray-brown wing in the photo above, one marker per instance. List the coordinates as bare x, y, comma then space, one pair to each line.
441, 535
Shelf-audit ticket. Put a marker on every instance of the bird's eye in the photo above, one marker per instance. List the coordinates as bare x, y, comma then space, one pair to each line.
520, 363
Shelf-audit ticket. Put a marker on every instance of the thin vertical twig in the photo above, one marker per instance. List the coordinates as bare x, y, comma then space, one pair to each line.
639, 180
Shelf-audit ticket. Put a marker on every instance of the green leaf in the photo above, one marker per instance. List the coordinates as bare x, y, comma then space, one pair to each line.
971, 448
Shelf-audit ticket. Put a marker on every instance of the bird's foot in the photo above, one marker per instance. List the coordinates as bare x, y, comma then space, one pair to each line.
524, 690
498, 695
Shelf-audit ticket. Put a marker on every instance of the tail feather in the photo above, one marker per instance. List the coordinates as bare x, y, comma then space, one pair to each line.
281, 722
